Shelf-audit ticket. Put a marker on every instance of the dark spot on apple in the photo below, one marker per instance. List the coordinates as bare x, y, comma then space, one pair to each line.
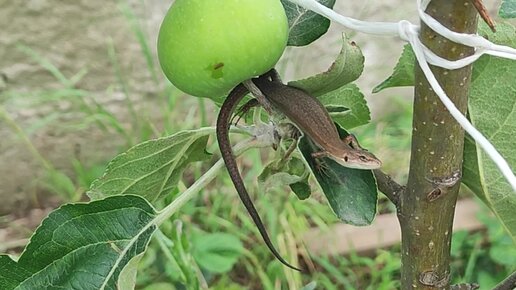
218, 65
216, 70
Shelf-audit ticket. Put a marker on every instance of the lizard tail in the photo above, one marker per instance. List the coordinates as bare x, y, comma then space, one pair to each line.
223, 124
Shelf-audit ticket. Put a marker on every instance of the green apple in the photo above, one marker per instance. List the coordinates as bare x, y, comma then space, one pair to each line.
207, 47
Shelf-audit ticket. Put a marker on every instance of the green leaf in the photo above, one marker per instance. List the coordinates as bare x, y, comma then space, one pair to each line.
160, 286
63, 254
218, 252
292, 172
403, 74
459, 240
347, 106
305, 26
486, 279
301, 189
346, 68
492, 110
471, 171
508, 9
351, 193
152, 168
281, 172
127, 277
11, 274
504, 254
501, 249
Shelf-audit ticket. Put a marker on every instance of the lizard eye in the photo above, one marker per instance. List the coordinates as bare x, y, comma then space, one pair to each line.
362, 158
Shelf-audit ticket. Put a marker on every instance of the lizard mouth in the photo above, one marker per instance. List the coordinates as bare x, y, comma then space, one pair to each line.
369, 165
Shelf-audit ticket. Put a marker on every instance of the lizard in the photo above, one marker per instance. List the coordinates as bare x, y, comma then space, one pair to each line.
306, 112
312, 118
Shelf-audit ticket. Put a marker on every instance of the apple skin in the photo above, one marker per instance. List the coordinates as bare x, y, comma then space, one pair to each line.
207, 47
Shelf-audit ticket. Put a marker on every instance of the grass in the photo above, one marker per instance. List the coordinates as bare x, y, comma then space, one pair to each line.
170, 260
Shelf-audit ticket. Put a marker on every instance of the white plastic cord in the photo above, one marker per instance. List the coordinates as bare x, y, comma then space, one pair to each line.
436, 60
376, 28
410, 33
472, 40
461, 119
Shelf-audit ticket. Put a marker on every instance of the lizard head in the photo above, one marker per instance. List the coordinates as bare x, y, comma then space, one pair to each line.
358, 159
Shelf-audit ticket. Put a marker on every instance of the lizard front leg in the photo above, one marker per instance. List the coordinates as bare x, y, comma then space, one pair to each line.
320, 165
244, 109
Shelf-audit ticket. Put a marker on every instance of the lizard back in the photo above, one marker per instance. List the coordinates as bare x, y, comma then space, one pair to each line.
304, 110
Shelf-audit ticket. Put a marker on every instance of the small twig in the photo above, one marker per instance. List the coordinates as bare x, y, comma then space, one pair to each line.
481, 8
508, 284
255, 91
389, 186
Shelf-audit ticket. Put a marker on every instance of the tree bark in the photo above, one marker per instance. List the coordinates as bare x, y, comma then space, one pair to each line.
426, 208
